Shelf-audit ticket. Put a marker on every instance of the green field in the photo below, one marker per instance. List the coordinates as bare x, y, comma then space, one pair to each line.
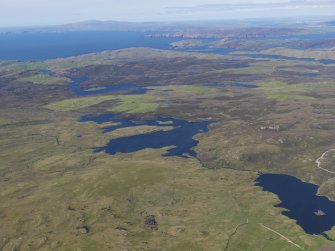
58, 193
45, 79
136, 104
77, 103
114, 195
282, 91
191, 89
125, 103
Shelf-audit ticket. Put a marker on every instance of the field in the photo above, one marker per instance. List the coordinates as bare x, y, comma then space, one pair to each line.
65, 188
45, 79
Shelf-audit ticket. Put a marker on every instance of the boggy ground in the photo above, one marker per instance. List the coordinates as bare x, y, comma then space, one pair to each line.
57, 194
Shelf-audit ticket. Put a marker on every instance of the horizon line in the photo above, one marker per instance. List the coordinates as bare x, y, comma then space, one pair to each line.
279, 19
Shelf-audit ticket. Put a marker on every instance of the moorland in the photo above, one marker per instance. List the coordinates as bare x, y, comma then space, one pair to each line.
262, 114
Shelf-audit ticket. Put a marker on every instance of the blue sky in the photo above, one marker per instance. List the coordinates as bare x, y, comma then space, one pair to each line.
45, 12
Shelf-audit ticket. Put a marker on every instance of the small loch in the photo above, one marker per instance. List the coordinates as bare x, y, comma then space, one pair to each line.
77, 88
315, 214
180, 138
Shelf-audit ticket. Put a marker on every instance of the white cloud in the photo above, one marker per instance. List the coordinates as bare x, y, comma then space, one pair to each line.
270, 8
314, 2
42, 12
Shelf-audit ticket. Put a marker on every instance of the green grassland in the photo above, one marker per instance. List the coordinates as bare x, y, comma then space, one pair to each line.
136, 104
77, 103
95, 89
104, 58
252, 70
282, 91
136, 130
125, 103
317, 54
288, 96
188, 89
52, 182
270, 67
45, 79
65, 186
189, 43
12, 68
4, 121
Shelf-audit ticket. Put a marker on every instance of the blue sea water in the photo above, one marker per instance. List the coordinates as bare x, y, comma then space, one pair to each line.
42, 46
49, 45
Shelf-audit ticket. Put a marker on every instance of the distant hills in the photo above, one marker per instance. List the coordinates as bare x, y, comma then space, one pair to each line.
191, 26
94, 25
111, 25
331, 23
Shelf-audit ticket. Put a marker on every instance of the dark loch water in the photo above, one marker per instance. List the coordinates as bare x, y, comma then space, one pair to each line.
301, 202
77, 88
181, 137
311, 75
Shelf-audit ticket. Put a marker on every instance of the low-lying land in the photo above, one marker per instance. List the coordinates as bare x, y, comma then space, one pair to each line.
58, 194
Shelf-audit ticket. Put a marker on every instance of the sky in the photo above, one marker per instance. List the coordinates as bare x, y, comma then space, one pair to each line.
49, 12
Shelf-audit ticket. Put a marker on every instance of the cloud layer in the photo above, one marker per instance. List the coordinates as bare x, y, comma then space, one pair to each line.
271, 6
44, 12
257, 9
